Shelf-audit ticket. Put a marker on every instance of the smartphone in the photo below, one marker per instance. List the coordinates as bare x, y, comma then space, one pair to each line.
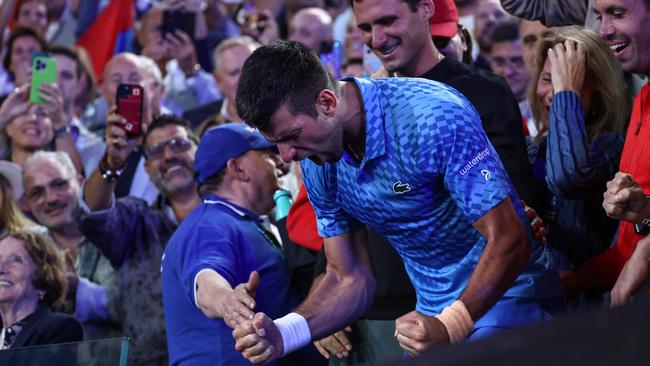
178, 19
129, 98
43, 71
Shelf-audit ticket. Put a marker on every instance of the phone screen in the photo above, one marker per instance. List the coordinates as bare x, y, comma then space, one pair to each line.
129, 105
43, 71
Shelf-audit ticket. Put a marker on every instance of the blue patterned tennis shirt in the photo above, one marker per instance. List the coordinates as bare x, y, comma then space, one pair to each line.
428, 173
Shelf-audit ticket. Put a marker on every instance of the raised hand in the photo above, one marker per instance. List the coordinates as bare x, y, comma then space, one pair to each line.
17, 103
181, 48
118, 146
624, 199
53, 98
416, 332
567, 66
258, 339
336, 344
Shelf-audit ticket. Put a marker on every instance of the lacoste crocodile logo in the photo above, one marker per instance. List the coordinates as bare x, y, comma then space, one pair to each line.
400, 188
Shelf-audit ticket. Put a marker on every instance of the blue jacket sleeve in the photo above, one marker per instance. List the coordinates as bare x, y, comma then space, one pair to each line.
116, 231
576, 167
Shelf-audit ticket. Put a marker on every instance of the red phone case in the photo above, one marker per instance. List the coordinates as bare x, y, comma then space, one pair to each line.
129, 105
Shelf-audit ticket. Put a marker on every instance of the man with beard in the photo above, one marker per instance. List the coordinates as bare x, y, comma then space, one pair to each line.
132, 234
52, 188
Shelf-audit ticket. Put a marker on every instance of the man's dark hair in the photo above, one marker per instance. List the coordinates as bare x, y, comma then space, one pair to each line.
280, 73
505, 31
166, 120
413, 4
18, 33
70, 53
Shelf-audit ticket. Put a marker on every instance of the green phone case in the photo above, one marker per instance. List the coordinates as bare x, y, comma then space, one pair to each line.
43, 71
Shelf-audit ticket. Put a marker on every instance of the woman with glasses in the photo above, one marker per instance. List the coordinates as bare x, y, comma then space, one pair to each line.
580, 107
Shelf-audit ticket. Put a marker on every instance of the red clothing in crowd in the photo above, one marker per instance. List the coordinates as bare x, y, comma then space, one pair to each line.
301, 223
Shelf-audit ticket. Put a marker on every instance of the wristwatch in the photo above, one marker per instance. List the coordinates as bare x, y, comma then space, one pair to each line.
643, 228
109, 174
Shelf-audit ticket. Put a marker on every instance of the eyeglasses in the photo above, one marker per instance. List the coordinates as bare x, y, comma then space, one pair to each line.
56, 185
177, 145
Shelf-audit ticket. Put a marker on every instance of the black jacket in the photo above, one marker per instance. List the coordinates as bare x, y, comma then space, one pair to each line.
44, 327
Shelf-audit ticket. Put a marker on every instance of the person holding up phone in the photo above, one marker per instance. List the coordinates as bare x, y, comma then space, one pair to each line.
132, 233
69, 79
128, 68
176, 46
37, 122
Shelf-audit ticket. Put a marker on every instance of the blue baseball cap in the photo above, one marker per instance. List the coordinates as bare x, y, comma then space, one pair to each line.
223, 143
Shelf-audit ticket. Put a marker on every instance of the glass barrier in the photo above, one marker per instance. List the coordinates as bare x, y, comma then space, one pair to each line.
100, 352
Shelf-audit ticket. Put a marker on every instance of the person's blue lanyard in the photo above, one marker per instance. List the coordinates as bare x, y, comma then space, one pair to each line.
270, 238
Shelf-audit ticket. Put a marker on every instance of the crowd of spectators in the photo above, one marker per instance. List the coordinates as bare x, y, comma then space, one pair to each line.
87, 209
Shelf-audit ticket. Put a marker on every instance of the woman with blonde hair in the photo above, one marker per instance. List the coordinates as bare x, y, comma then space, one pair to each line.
580, 105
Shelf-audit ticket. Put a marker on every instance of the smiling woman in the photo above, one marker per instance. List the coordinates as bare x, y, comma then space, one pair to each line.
32, 283
579, 103
26, 127
28, 132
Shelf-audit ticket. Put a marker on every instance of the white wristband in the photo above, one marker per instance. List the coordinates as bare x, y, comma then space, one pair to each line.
294, 330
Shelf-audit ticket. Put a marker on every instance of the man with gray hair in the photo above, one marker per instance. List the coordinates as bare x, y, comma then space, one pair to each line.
228, 59
52, 188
